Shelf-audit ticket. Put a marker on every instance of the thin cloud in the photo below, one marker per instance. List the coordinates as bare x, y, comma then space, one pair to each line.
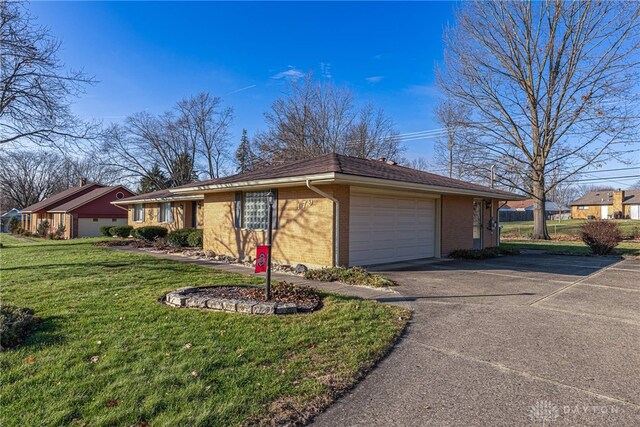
241, 89
291, 74
430, 91
374, 79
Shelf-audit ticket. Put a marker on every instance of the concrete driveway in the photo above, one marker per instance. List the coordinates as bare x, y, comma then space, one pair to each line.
523, 340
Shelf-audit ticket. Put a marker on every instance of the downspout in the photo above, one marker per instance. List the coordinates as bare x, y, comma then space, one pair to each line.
336, 231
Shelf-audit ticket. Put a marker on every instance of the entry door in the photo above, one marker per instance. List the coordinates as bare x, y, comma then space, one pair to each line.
477, 224
194, 214
604, 212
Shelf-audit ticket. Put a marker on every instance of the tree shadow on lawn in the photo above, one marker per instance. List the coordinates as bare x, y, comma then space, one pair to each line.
45, 333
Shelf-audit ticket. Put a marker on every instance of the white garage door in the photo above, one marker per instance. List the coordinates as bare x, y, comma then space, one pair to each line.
634, 211
88, 227
388, 228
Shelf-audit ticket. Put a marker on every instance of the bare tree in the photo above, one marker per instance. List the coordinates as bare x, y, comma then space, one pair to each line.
316, 118
177, 141
27, 177
548, 83
419, 163
204, 119
35, 90
454, 151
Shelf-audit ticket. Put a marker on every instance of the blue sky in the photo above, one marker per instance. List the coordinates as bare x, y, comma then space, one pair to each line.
148, 55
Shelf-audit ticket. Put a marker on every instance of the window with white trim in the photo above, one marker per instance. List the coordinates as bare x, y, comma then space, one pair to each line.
138, 213
165, 213
583, 208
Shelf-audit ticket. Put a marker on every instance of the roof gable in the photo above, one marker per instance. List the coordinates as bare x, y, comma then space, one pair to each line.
60, 198
88, 197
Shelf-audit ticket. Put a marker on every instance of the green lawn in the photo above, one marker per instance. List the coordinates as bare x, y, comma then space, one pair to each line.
569, 247
157, 365
569, 228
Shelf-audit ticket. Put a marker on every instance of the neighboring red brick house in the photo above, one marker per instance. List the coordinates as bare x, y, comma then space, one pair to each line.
82, 210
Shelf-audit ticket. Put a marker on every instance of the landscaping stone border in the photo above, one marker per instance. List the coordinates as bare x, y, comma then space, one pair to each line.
182, 298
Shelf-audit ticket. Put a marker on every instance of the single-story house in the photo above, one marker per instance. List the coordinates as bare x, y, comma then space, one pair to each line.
164, 208
522, 210
82, 210
6, 217
607, 204
340, 210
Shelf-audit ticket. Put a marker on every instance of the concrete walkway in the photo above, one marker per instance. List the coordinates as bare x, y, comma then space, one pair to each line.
382, 294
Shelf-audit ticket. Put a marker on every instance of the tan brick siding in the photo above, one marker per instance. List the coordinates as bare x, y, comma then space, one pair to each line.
592, 210
151, 212
304, 233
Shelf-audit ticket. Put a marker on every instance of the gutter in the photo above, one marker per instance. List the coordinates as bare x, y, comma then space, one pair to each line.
336, 231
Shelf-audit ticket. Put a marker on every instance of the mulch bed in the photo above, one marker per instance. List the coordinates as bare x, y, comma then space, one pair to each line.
303, 296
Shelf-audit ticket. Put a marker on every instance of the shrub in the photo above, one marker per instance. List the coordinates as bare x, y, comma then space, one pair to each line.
121, 231
104, 230
43, 228
601, 236
481, 253
195, 239
352, 276
150, 232
15, 325
59, 233
178, 238
13, 225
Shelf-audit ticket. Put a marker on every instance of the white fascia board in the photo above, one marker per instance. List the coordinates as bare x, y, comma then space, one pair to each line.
385, 183
177, 198
258, 184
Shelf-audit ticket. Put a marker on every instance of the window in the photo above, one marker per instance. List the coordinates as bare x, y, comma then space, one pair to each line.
114, 219
119, 195
95, 219
138, 213
62, 219
252, 210
583, 208
165, 213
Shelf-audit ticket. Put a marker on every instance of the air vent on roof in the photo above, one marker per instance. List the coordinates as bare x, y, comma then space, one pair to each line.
391, 162
119, 195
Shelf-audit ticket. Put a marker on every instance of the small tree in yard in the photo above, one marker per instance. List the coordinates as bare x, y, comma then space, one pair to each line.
43, 228
601, 236
14, 224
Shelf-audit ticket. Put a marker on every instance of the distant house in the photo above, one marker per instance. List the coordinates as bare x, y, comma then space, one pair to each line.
6, 217
82, 210
522, 210
607, 204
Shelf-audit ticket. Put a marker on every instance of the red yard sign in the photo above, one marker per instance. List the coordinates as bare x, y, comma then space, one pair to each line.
261, 258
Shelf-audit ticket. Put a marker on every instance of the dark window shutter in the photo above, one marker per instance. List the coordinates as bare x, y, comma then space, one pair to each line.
275, 208
237, 220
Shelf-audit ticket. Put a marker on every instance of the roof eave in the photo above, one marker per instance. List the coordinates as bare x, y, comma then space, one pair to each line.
159, 199
379, 182
255, 184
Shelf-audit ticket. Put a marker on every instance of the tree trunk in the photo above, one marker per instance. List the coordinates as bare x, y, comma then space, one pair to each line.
539, 214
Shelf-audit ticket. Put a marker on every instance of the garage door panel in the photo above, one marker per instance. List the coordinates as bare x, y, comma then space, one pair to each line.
87, 227
386, 229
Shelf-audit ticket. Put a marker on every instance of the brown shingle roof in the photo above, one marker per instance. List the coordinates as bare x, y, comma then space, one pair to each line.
56, 198
605, 197
85, 198
354, 166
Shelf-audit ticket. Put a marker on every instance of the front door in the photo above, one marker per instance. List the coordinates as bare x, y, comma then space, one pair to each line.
477, 224
604, 212
194, 214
